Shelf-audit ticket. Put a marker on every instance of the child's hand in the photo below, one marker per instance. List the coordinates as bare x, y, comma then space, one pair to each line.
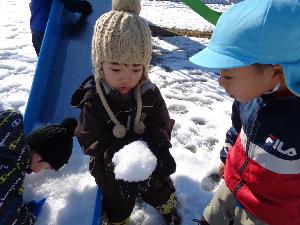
133, 189
36, 207
117, 145
157, 184
86, 8
221, 170
80, 6
166, 164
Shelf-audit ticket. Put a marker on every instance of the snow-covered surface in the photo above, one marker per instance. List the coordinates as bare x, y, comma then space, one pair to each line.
195, 100
17, 57
175, 14
134, 162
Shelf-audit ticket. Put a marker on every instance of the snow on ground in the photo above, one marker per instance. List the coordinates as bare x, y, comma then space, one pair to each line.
17, 57
175, 14
199, 106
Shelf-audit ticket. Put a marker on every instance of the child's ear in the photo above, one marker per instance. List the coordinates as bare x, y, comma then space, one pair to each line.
143, 77
37, 157
278, 72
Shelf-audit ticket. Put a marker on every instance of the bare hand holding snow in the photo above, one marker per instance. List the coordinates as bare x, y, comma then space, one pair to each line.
134, 162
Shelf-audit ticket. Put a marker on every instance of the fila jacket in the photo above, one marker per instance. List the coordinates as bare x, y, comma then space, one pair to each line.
263, 166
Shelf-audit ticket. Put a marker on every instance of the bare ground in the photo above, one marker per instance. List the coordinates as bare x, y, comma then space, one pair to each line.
171, 32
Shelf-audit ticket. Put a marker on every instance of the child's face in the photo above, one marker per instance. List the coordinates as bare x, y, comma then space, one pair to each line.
37, 163
122, 77
247, 83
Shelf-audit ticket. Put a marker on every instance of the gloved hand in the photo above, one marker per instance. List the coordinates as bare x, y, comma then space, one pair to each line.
85, 8
36, 207
128, 189
80, 6
166, 164
133, 189
118, 144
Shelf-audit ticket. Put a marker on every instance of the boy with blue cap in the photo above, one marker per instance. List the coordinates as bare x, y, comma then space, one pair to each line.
256, 47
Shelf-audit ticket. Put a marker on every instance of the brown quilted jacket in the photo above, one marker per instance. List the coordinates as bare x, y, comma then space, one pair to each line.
94, 130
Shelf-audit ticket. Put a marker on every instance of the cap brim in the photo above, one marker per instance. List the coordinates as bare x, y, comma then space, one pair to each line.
212, 60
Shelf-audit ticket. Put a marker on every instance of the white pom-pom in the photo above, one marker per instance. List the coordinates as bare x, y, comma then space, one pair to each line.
119, 131
139, 128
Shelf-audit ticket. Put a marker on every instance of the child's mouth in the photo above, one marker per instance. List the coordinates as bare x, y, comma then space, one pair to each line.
124, 89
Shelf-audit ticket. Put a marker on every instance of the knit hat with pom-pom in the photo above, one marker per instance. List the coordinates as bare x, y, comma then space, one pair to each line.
54, 143
123, 37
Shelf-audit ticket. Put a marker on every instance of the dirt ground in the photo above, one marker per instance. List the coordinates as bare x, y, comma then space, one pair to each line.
167, 32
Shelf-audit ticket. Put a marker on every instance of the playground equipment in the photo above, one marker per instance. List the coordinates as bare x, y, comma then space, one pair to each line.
203, 10
63, 63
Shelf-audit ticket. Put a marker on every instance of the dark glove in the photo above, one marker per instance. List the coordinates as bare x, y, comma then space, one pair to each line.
128, 189
133, 189
85, 8
118, 144
36, 207
79, 6
166, 164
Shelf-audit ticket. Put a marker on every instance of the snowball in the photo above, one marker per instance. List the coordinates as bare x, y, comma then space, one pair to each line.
134, 162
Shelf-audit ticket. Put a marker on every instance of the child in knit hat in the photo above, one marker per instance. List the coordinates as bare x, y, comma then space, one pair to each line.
256, 47
47, 148
52, 144
119, 105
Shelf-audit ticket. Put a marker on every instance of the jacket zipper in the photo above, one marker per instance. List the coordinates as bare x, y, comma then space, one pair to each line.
243, 167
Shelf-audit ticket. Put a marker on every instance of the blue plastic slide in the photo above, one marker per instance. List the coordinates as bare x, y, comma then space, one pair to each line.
64, 62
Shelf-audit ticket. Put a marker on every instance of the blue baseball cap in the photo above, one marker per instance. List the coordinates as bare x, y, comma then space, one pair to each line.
257, 31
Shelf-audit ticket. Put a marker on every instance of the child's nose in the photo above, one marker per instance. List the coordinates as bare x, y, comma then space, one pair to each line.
125, 78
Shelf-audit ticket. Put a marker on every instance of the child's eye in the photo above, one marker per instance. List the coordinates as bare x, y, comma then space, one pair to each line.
137, 70
227, 77
115, 70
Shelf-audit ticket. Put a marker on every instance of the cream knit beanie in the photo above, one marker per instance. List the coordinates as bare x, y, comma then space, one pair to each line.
122, 36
